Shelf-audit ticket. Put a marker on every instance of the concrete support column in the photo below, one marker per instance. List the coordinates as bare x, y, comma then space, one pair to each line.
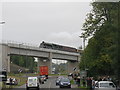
0, 57
5, 59
50, 59
72, 65
8, 63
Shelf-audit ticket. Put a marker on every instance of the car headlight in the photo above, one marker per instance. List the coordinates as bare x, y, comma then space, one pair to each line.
68, 83
61, 83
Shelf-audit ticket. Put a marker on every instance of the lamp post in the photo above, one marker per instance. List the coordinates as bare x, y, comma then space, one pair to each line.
2, 22
84, 38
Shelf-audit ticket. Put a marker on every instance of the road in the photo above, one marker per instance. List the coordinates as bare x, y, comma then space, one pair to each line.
49, 84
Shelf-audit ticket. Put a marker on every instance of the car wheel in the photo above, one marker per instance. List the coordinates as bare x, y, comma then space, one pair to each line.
37, 88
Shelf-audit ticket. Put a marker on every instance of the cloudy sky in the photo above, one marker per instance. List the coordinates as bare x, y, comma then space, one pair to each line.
54, 22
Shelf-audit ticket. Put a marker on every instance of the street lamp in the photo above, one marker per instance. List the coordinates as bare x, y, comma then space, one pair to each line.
84, 38
2, 22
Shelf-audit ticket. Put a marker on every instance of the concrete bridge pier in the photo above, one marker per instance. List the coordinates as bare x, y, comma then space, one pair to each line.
4, 57
45, 62
72, 65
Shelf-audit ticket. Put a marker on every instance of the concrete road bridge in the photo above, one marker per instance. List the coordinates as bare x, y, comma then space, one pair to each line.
42, 53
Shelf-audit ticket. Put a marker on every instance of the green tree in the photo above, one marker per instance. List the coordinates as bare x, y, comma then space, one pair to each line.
102, 52
24, 61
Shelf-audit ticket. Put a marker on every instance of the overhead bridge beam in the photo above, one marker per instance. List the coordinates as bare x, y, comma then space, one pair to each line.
42, 52
17, 49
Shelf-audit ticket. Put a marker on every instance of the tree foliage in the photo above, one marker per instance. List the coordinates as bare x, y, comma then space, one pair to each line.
24, 61
101, 56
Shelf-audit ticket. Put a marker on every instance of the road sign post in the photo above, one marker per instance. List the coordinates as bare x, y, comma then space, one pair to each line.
83, 73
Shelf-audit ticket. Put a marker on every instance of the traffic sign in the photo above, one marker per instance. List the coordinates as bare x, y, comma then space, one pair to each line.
83, 73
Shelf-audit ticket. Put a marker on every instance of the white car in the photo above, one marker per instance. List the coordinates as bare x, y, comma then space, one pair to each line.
105, 85
32, 82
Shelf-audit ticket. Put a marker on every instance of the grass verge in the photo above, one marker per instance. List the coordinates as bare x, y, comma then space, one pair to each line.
21, 80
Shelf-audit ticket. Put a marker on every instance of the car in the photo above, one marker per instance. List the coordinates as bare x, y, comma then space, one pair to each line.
58, 80
32, 82
41, 79
11, 81
44, 77
14, 81
65, 82
105, 85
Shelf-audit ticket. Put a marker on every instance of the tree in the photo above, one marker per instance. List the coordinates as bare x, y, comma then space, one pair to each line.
24, 61
103, 48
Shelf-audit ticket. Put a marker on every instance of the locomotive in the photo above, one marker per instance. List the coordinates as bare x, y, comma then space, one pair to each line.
57, 47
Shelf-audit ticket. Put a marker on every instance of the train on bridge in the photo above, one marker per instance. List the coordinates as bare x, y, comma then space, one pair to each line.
58, 47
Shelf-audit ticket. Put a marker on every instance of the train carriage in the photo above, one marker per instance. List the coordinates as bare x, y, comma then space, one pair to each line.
57, 47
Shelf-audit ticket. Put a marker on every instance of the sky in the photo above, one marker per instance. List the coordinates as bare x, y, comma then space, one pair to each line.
34, 21
53, 22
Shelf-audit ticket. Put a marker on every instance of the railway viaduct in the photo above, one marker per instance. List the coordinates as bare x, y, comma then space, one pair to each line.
6, 50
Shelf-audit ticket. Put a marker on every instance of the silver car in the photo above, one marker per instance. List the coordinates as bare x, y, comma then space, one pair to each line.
105, 85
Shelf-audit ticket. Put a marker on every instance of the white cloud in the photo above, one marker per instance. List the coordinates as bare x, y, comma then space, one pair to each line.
66, 38
52, 22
